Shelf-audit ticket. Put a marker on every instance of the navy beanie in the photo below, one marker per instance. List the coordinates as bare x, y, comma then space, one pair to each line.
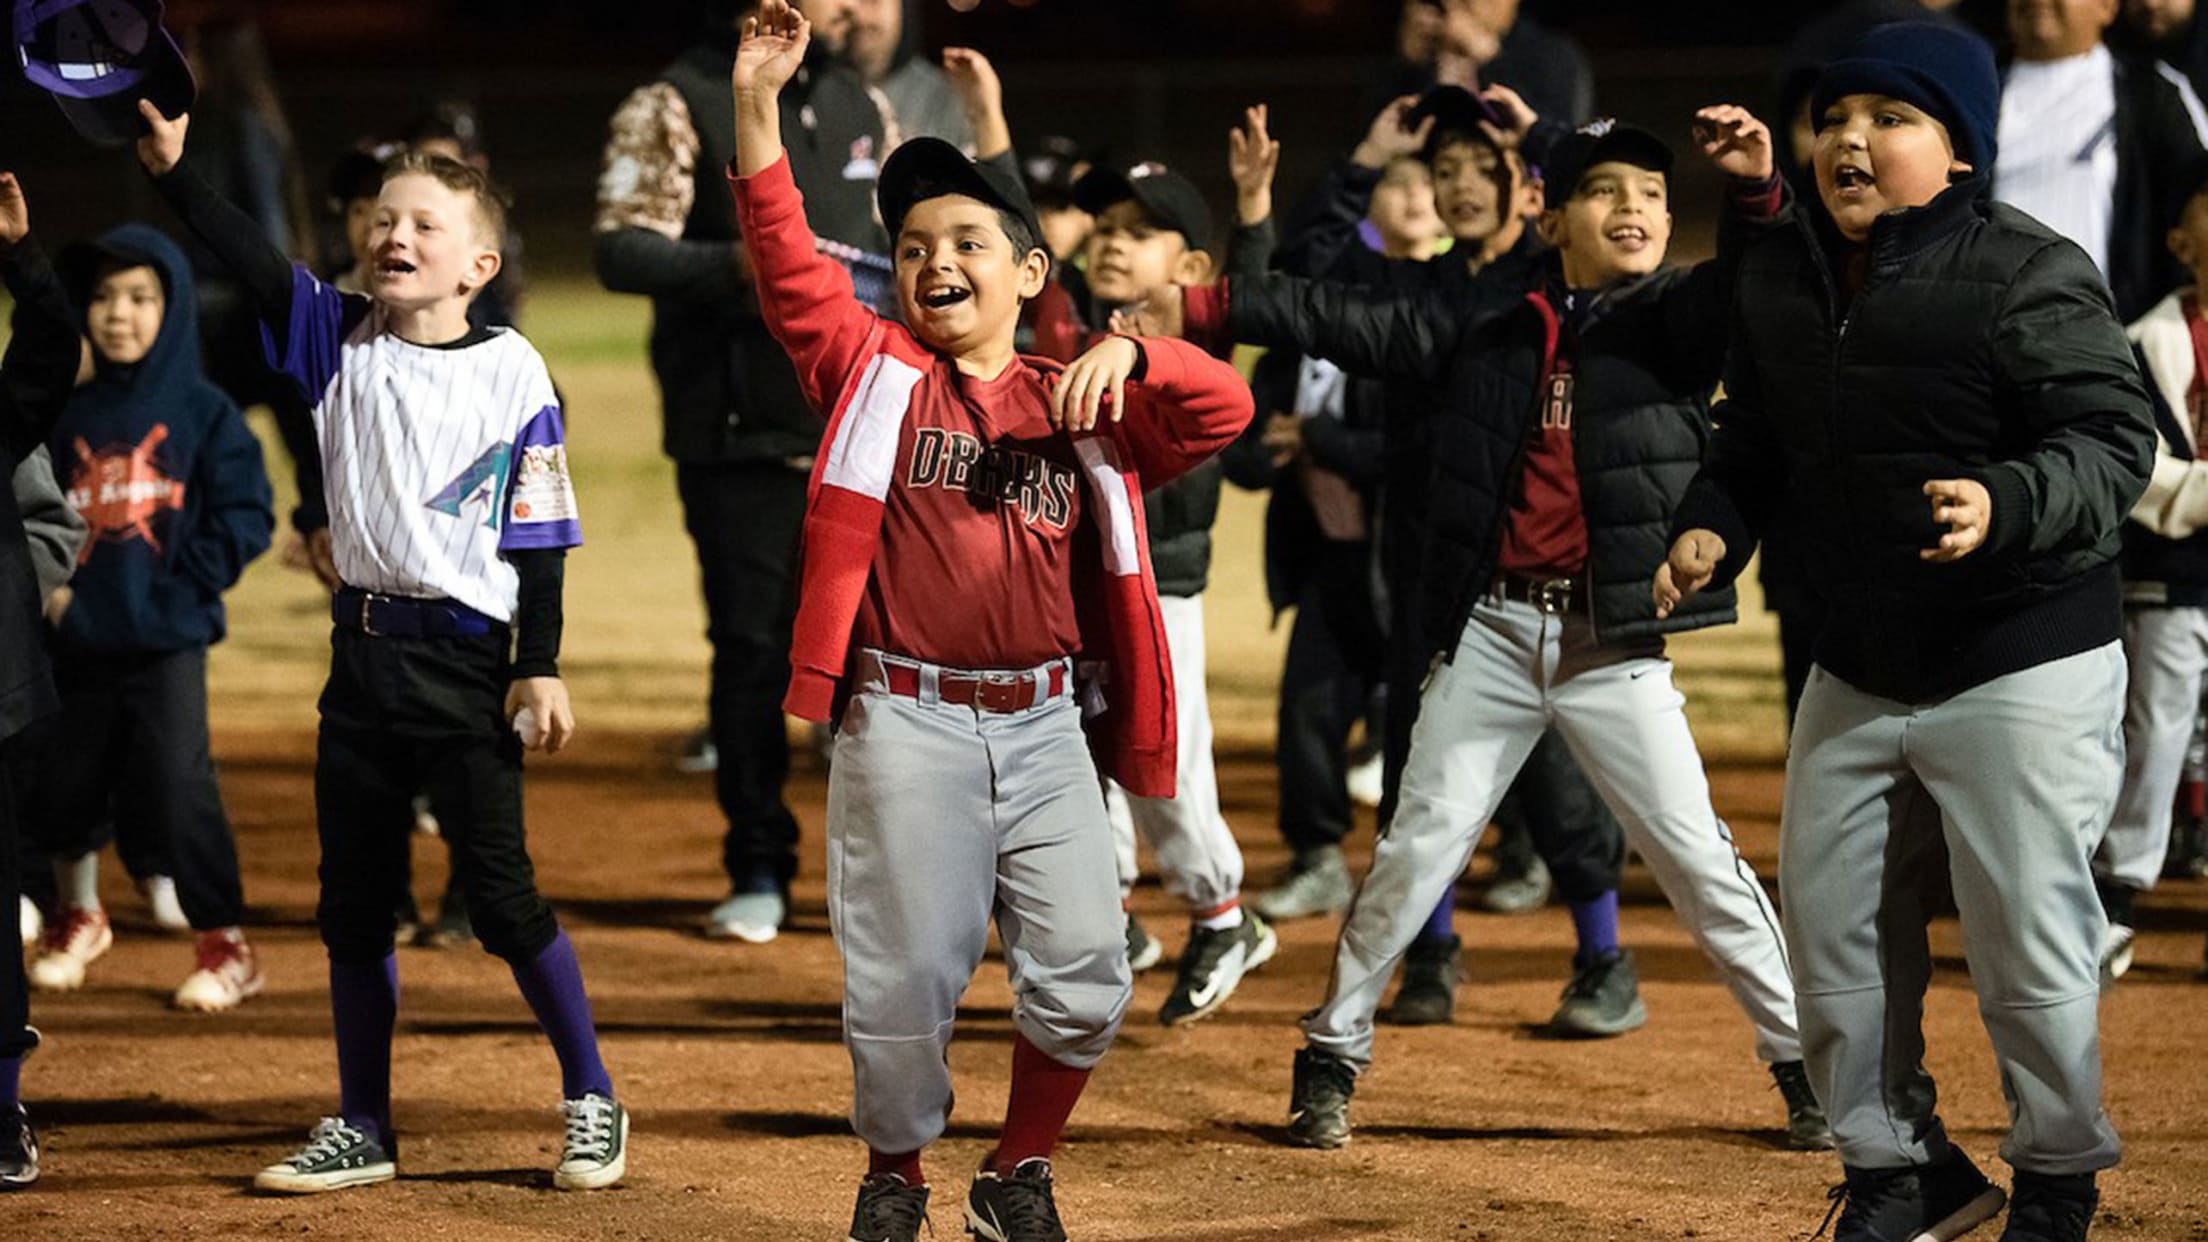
1945, 70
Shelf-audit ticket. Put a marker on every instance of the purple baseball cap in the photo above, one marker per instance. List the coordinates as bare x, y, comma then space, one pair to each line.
98, 58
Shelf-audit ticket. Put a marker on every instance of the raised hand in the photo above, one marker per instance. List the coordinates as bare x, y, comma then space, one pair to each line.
772, 48
15, 212
981, 94
1966, 509
1693, 562
1517, 115
1733, 139
1077, 402
1253, 156
162, 148
1388, 137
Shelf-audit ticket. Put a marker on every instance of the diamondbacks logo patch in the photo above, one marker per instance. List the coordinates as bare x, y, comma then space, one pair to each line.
122, 490
482, 483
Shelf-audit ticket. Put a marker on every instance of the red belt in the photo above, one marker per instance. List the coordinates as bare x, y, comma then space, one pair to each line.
987, 692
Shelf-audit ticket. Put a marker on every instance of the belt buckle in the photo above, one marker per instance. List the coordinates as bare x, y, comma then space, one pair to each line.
1553, 596
1000, 692
367, 601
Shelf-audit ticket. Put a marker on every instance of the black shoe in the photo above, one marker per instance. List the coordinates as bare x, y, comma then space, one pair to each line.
1318, 1105
1428, 996
1143, 949
889, 1210
1602, 1000
1924, 1203
2051, 1208
18, 1149
1807, 1128
1018, 1208
1213, 964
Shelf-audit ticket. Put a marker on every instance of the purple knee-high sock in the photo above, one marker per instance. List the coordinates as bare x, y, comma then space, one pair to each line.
1596, 923
552, 983
1442, 923
364, 1001
11, 1081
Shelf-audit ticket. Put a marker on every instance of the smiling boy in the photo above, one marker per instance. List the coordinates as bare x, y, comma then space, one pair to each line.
1938, 386
975, 562
450, 515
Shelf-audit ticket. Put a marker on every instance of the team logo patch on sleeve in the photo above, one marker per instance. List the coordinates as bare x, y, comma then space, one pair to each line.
542, 489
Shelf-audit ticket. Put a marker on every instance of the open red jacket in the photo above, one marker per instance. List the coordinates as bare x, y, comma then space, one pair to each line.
862, 371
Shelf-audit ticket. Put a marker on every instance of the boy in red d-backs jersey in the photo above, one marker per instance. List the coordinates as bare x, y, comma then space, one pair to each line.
973, 535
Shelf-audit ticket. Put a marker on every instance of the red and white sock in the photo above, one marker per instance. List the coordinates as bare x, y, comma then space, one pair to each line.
1226, 914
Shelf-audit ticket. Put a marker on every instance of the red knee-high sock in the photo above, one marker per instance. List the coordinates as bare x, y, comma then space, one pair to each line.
2192, 798
1043, 1095
906, 1166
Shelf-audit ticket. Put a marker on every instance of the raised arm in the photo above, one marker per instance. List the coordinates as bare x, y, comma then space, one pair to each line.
40, 369
264, 270
1320, 237
806, 298
1697, 307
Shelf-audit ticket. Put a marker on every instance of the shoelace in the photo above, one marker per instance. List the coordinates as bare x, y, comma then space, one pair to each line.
1207, 946
1029, 1205
1839, 1196
330, 1136
898, 1212
589, 1127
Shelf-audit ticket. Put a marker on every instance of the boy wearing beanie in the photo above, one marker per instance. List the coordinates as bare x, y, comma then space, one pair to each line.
1938, 385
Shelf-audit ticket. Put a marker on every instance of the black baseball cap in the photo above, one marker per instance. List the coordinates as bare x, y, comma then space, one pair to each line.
1600, 141
1454, 111
98, 58
1171, 200
926, 168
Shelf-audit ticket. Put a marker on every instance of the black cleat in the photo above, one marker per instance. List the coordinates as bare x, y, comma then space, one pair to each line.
1806, 1126
18, 1149
1318, 1107
1018, 1208
889, 1210
1428, 996
1603, 999
1213, 964
1926, 1203
1143, 949
2051, 1208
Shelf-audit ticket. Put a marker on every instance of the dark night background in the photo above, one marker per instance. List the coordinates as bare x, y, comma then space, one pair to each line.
1160, 79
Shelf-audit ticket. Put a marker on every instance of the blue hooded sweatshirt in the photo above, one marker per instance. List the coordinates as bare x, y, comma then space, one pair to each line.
161, 467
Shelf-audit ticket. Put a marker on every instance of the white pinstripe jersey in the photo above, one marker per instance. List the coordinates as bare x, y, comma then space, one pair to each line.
435, 461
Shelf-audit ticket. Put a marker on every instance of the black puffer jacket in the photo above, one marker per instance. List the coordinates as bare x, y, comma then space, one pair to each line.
1179, 516
1981, 345
1649, 352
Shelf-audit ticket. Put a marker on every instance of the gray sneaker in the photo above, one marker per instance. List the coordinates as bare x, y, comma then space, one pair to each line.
754, 918
1519, 894
337, 1155
1316, 883
1602, 1000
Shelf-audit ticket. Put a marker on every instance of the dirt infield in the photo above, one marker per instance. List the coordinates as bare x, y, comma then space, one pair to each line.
154, 1121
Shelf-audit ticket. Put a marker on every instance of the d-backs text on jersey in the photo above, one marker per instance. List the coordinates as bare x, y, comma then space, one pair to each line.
958, 461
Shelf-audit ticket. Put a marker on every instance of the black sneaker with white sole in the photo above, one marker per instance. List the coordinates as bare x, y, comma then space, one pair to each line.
1923, 1203
1213, 964
889, 1209
596, 1153
1014, 1208
18, 1148
1807, 1128
1318, 1105
1603, 1000
337, 1155
1143, 949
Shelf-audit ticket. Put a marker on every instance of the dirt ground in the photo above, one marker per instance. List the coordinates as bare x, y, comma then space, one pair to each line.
729, 1057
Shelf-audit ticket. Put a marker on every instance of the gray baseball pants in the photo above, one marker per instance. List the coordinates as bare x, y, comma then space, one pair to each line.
1519, 670
1196, 853
2016, 777
940, 817
2167, 652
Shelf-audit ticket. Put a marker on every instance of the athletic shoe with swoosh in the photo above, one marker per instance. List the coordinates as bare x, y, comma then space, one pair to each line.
1213, 964
1015, 1208
889, 1209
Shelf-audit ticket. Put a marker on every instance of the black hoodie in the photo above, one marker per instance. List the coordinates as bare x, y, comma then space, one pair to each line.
161, 467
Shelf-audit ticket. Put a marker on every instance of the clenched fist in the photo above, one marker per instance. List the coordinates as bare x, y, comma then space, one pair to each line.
1694, 560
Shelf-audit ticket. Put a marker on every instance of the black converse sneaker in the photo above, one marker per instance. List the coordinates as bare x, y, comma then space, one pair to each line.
597, 1149
889, 1209
1014, 1208
337, 1155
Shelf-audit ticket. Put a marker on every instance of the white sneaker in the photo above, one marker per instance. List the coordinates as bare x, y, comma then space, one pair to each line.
1365, 785
161, 902
227, 974
2116, 953
34, 923
68, 947
754, 918
596, 1153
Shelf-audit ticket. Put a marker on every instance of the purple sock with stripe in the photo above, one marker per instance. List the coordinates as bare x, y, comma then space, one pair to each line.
1442, 923
1596, 923
364, 1003
552, 983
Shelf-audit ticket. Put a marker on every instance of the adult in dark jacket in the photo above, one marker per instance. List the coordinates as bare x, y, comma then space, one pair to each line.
2099, 146
1573, 420
36, 377
2170, 30
734, 420
1937, 384
1477, 42
56, 535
